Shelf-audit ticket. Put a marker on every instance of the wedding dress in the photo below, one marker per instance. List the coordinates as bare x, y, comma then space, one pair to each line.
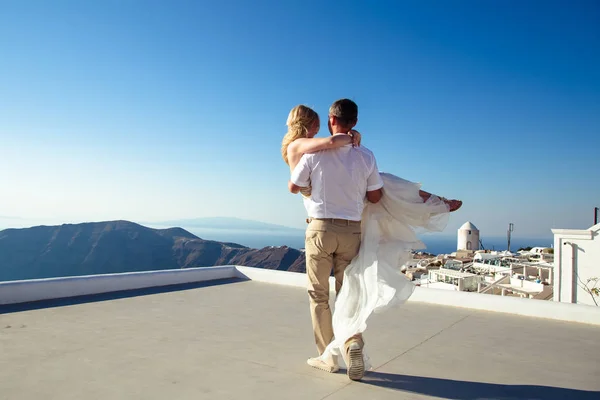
373, 281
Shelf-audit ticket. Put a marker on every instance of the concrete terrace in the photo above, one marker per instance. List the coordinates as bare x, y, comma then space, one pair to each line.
234, 339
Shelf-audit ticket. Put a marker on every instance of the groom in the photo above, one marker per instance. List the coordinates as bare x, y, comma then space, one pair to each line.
340, 179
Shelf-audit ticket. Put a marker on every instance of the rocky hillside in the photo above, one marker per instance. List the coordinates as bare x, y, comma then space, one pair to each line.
122, 246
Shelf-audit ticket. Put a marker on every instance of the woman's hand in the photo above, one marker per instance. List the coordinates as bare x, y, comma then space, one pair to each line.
356, 136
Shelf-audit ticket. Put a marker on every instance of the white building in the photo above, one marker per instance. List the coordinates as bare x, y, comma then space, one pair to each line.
462, 281
468, 237
492, 263
576, 259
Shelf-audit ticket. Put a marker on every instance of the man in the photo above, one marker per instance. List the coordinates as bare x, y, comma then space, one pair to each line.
340, 179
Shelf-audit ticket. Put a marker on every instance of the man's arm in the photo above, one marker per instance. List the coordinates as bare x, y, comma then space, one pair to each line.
374, 184
293, 188
301, 176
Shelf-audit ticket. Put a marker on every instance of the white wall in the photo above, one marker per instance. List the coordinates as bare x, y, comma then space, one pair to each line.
41, 289
527, 285
576, 258
13, 292
510, 305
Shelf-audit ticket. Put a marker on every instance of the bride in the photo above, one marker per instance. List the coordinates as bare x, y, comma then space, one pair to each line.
373, 280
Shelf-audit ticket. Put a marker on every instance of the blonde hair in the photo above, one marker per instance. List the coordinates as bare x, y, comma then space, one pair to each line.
299, 122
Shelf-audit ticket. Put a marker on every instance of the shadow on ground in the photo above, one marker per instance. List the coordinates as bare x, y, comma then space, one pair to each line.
465, 390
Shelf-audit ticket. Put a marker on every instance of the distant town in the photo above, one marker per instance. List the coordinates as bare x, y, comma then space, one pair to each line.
527, 272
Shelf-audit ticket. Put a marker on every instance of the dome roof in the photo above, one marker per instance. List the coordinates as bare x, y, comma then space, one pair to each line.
468, 226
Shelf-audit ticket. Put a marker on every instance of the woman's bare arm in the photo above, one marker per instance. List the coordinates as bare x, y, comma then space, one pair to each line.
306, 146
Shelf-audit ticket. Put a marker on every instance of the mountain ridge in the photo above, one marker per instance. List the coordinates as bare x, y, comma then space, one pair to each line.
122, 246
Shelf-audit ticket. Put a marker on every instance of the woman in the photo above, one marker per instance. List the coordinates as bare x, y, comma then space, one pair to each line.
373, 280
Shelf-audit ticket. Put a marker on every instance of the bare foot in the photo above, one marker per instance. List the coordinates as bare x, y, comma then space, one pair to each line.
453, 204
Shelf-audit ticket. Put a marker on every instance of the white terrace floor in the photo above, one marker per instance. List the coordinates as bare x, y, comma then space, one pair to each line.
250, 340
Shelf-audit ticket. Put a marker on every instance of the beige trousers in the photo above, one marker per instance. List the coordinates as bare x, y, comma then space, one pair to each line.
330, 245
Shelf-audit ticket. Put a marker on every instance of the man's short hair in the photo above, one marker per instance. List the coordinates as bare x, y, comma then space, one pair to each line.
346, 111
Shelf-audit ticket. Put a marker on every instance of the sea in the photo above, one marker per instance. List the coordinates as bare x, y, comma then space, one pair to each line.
436, 244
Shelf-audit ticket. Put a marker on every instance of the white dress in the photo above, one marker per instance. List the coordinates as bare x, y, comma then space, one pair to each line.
373, 280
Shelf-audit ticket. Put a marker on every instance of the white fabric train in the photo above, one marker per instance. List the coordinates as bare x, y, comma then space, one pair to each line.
373, 280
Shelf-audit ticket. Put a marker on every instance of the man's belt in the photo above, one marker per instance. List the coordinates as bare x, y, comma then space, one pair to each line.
334, 220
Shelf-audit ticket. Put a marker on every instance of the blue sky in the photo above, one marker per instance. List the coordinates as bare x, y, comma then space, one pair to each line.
160, 110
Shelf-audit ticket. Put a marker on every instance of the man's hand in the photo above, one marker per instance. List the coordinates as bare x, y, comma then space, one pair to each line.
293, 188
375, 195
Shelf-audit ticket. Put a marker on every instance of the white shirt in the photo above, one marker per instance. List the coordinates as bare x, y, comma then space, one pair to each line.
340, 179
